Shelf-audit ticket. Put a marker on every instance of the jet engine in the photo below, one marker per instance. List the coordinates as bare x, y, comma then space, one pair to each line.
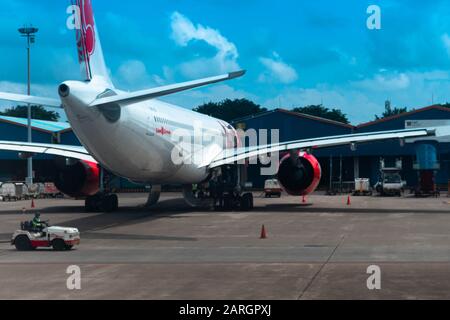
77, 179
299, 173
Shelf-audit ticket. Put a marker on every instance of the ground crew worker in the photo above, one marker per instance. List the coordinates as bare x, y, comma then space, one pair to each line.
220, 191
36, 223
213, 189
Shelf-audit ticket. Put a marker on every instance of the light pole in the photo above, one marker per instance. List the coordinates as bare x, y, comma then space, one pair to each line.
29, 33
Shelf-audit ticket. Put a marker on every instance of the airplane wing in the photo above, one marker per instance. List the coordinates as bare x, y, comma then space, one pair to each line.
48, 102
74, 152
132, 97
234, 155
143, 95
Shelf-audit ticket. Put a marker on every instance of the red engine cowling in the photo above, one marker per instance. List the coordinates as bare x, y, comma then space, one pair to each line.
79, 179
301, 177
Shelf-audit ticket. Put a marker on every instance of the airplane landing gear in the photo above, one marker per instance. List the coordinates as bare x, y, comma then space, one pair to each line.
153, 196
229, 190
102, 202
246, 202
231, 202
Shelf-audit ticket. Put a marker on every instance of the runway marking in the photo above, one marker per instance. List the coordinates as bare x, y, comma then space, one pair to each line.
321, 268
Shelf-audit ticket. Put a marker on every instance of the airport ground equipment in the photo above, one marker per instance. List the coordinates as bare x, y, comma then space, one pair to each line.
426, 165
341, 187
50, 190
225, 190
35, 190
14, 191
58, 238
272, 188
362, 187
390, 181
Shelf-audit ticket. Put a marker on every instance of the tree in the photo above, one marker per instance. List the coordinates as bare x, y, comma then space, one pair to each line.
323, 112
37, 112
389, 111
229, 110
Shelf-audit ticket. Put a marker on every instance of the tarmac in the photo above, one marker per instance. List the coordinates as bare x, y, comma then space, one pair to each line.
320, 249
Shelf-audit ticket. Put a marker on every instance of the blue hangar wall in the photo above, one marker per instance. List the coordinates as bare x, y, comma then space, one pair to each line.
12, 168
362, 162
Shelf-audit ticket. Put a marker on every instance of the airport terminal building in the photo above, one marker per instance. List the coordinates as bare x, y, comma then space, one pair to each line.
339, 164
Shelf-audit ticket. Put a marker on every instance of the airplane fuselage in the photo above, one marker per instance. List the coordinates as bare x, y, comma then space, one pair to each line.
150, 141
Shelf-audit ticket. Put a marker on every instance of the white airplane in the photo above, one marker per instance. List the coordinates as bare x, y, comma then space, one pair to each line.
131, 135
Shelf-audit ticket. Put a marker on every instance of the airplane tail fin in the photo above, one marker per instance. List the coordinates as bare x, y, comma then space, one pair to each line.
90, 54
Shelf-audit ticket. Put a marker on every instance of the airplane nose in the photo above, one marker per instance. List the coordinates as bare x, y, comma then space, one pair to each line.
64, 90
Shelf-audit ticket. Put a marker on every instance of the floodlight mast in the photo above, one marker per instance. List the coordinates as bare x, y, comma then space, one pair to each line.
29, 32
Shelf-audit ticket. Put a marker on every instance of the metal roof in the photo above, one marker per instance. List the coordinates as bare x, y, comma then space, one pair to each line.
292, 113
265, 113
40, 125
401, 115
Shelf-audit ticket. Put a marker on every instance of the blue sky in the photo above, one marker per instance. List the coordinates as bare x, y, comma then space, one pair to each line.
296, 52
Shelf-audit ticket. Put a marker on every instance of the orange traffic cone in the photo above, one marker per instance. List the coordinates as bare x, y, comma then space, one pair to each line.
32, 204
263, 232
349, 202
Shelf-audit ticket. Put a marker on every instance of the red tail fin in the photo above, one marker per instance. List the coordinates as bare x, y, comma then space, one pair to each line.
90, 53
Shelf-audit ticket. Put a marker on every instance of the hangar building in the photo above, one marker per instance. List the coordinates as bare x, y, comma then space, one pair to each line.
341, 164
15, 129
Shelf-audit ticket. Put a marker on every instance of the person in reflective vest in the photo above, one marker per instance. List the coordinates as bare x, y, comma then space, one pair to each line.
36, 223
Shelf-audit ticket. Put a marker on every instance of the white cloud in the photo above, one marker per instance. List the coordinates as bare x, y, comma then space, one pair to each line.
277, 70
133, 71
134, 75
41, 90
383, 82
361, 105
194, 98
446, 41
184, 31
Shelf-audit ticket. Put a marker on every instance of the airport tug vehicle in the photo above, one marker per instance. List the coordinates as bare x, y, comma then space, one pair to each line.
272, 188
58, 238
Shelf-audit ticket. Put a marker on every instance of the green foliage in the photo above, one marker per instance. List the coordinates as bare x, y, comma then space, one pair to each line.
323, 112
229, 110
37, 112
389, 111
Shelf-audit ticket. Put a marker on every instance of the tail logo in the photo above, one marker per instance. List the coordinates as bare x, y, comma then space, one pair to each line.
86, 35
